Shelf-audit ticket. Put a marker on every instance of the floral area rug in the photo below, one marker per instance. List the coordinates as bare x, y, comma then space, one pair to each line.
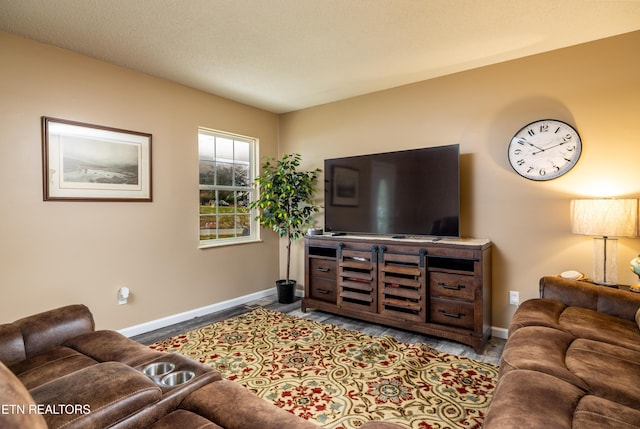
339, 378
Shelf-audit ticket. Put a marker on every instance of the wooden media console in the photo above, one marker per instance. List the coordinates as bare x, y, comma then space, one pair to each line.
436, 287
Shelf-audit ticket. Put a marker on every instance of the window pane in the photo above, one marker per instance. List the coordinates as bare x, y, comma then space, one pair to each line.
242, 202
224, 173
207, 227
206, 147
226, 201
243, 152
226, 226
206, 173
243, 225
241, 175
207, 202
224, 149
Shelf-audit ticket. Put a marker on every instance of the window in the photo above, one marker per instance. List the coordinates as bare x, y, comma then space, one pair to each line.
226, 188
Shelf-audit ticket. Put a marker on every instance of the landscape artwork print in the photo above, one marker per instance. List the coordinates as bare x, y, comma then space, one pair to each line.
99, 164
89, 162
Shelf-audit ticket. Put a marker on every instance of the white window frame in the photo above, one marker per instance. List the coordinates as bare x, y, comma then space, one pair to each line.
254, 235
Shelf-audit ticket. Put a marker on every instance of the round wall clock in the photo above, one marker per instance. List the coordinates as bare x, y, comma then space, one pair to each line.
545, 149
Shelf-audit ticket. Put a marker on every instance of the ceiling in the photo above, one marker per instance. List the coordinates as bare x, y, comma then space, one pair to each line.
286, 55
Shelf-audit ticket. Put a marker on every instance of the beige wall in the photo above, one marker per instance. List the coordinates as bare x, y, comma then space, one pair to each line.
56, 253
595, 87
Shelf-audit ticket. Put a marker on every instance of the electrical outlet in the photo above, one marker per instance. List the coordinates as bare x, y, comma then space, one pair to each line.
123, 295
514, 297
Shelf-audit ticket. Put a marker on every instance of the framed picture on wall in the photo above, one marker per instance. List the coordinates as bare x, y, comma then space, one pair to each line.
84, 162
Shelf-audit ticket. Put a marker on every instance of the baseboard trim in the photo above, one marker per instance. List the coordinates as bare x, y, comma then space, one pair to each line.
499, 332
197, 312
224, 305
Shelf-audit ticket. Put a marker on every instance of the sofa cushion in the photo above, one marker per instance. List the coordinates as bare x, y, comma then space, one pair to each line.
542, 349
611, 372
594, 412
602, 327
105, 346
184, 420
537, 312
532, 399
16, 403
96, 397
49, 365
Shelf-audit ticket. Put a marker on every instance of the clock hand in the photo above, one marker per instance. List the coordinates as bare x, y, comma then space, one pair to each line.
550, 147
532, 145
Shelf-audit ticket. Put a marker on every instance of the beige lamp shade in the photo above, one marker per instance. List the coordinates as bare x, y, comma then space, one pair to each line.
605, 217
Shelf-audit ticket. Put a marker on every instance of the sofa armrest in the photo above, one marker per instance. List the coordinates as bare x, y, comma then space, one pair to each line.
52, 328
17, 403
11, 344
575, 293
97, 396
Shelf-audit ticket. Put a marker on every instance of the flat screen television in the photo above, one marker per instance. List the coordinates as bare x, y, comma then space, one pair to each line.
403, 193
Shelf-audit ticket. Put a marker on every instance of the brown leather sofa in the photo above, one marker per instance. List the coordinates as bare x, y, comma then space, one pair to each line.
56, 371
572, 360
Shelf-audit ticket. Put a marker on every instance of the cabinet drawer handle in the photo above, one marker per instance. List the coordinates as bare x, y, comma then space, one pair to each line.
324, 270
322, 291
450, 287
445, 313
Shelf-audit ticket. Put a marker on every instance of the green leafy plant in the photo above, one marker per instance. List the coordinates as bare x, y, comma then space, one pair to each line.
285, 203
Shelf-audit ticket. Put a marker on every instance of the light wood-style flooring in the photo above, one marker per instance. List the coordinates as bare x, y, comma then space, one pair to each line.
491, 352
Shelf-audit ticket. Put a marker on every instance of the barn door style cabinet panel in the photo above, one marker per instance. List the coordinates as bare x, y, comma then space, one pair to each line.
440, 288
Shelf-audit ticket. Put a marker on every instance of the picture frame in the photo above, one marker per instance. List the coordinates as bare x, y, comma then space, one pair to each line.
346, 189
86, 162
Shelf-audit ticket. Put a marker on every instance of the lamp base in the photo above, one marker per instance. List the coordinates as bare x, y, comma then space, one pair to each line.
605, 251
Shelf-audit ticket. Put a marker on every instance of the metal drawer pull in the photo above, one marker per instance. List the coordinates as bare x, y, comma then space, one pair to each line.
457, 315
446, 286
322, 291
323, 270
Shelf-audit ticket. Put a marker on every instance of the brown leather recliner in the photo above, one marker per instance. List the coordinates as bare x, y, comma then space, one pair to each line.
56, 371
572, 360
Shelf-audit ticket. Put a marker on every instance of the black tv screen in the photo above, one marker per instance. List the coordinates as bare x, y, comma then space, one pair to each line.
411, 192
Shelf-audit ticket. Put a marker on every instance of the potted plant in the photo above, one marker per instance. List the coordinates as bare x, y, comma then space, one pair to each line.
285, 205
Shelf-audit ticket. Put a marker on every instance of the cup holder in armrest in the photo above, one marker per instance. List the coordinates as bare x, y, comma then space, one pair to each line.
158, 369
177, 378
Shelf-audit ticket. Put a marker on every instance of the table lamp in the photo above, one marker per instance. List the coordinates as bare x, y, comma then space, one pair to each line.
605, 219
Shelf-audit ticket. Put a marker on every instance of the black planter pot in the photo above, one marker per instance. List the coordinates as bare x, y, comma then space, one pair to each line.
286, 291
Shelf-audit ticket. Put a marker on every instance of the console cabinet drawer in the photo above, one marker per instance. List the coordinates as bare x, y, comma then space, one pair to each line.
451, 285
450, 312
323, 289
322, 268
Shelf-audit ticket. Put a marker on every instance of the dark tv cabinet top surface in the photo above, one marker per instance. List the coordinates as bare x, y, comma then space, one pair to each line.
406, 239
